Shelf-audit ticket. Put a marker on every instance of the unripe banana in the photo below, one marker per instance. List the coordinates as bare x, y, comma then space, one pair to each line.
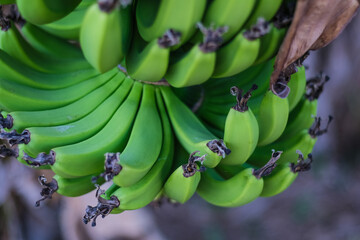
191, 133
297, 85
272, 118
43, 11
263, 9
144, 145
241, 132
149, 61
238, 190
154, 18
105, 34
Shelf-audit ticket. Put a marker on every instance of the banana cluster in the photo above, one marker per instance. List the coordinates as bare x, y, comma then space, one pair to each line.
163, 98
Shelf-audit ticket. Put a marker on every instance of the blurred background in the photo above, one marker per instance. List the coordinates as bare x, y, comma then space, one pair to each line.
323, 203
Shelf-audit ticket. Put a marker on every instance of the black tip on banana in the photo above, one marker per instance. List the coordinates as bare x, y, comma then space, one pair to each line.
6, 152
241, 105
191, 167
218, 147
261, 28
280, 86
315, 86
103, 208
285, 15
10, 13
112, 167
269, 166
212, 37
169, 39
48, 189
15, 138
42, 159
302, 164
315, 130
6, 122
107, 5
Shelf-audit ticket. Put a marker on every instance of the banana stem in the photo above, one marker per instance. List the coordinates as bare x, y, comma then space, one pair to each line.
191, 167
112, 167
41, 159
212, 37
6, 152
15, 138
6, 122
218, 147
241, 100
169, 39
103, 208
261, 28
48, 189
269, 166
302, 165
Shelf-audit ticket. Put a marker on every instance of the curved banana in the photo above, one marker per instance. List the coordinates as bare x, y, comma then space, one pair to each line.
70, 110
191, 133
67, 27
43, 11
181, 185
144, 191
153, 18
149, 61
195, 66
14, 70
283, 176
240, 189
45, 138
263, 9
53, 46
241, 132
297, 85
105, 47
144, 145
226, 13
270, 44
272, 118
87, 157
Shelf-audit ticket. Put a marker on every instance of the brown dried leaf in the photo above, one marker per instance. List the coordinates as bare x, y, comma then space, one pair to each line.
316, 23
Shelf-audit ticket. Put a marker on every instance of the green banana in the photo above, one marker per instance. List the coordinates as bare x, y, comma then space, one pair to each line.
149, 61
43, 11
18, 97
105, 47
153, 18
86, 157
69, 110
297, 85
45, 138
53, 46
13, 43
67, 187
144, 191
195, 66
191, 133
242, 188
272, 118
144, 144
263, 9
241, 132
283, 176
182, 183
270, 44
236, 56
69, 26
226, 13
14, 70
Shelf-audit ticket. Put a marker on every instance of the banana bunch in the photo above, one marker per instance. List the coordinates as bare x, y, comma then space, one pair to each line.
162, 98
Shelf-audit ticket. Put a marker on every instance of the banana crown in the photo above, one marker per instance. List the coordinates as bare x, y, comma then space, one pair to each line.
242, 100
